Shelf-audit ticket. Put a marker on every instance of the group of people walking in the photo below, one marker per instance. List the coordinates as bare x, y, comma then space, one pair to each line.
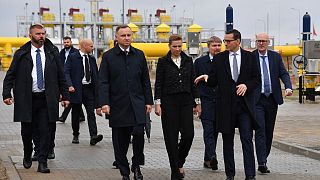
228, 90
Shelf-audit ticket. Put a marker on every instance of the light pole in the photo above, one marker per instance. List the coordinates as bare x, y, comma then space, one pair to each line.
264, 24
26, 18
299, 32
61, 29
122, 11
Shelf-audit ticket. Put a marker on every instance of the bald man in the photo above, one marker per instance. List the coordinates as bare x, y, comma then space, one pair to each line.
268, 96
81, 73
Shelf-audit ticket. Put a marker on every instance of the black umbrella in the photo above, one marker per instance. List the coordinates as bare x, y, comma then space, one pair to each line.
148, 126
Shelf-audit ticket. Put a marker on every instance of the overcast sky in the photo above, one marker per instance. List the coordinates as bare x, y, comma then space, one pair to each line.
249, 15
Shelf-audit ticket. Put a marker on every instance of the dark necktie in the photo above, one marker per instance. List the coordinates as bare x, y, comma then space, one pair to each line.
235, 72
86, 68
39, 70
265, 77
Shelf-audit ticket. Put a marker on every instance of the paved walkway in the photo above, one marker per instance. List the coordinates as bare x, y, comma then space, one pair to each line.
297, 126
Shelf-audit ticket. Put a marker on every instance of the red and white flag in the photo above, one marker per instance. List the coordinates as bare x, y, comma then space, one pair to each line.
314, 33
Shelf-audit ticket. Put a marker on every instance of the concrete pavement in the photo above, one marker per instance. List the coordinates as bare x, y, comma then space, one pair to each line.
297, 125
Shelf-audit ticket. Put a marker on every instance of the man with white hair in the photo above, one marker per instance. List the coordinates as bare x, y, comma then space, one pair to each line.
268, 96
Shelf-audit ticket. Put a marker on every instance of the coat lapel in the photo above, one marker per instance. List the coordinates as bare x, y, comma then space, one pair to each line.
243, 64
227, 64
271, 64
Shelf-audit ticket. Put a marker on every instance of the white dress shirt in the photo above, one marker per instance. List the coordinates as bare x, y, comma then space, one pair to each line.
261, 71
84, 81
238, 56
34, 69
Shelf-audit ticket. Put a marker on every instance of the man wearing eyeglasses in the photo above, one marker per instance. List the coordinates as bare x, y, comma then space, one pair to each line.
203, 65
235, 76
268, 96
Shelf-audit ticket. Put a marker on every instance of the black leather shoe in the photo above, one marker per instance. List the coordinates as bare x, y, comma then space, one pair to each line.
61, 119
81, 119
75, 140
263, 169
95, 139
43, 168
214, 164
125, 178
27, 163
35, 157
230, 178
206, 164
115, 165
250, 178
182, 174
137, 175
51, 155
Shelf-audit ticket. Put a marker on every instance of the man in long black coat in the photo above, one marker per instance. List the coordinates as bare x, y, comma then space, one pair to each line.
37, 79
125, 95
235, 73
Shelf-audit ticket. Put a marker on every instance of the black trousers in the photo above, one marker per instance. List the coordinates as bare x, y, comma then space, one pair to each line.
242, 120
177, 117
88, 102
39, 126
121, 138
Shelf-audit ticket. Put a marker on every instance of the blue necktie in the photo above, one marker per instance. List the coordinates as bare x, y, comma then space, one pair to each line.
265, 77
235, 72
39, 70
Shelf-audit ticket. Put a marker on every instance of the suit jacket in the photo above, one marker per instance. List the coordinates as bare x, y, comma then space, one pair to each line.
203, 65
277, 72
125, 86
172, 80
63, 52
226, 88
74, 72
19, 79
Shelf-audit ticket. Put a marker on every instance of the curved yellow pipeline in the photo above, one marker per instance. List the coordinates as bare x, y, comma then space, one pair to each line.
14, 41
289, 50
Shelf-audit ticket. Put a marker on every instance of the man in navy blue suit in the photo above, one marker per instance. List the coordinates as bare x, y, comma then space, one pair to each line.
203, 65
81, 73
64, 53
268, 96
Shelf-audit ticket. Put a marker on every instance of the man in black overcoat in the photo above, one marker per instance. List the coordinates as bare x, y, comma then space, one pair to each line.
235, 73
125, 96
37, 80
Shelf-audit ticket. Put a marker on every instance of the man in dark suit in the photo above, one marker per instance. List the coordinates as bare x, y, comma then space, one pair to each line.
37, 79
268, 96
68, 49
81, 73
235, 73
202, 66
125, 96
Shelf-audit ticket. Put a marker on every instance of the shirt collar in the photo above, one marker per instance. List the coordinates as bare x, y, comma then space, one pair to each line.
128, 49
238, 52
33, 48
210, 56
82, 53
266, 54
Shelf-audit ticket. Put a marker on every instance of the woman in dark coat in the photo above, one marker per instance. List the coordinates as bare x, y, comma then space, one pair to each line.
176, 99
